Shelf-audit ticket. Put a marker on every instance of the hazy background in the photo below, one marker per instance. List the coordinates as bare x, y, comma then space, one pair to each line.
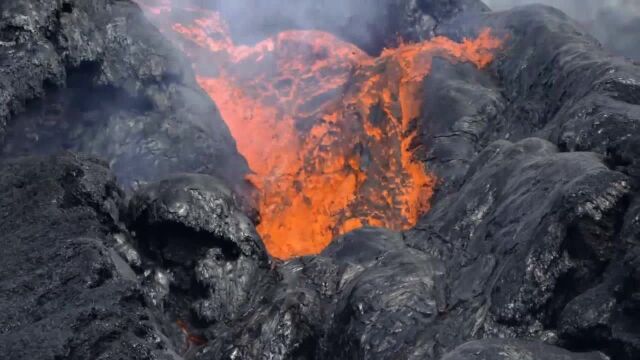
616, 23
364, 22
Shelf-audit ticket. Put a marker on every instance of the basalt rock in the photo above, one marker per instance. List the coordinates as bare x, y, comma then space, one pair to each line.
202, 204
602, 317
555, 82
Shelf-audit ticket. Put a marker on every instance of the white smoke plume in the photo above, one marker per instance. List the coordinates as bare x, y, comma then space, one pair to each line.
359, 21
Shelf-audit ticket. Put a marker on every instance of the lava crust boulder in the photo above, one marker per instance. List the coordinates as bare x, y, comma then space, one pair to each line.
556, 82
289, 319
387, 296
192, 229
363, 246
202, 204
604, 316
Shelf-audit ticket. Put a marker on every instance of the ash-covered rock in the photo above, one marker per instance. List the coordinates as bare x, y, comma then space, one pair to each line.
64, 292
97, 77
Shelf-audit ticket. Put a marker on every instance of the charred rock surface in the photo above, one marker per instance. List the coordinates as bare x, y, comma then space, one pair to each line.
96, 77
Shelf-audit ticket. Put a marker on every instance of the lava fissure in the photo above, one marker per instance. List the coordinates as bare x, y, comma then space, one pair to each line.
328, 130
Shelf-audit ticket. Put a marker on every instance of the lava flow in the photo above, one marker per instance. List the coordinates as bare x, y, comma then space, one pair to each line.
329, 131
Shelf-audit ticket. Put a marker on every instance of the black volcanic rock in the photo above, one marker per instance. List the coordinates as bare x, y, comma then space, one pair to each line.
65, 293
605, 315
289, 320
381, 315
191, 228
555, 82
463, 103
200, 203
96, 77
530, 229
363, 246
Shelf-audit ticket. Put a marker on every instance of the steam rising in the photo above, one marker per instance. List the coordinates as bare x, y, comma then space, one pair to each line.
616, 23
358, 21
369, 24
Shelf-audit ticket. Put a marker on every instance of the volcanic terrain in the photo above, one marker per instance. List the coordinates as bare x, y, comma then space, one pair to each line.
383, 179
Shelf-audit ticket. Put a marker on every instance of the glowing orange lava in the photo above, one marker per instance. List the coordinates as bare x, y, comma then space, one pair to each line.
328, 130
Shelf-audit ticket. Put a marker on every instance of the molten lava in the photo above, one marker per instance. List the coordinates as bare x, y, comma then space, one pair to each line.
329, 131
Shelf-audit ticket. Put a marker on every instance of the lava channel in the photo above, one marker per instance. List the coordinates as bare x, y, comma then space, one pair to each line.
328, 131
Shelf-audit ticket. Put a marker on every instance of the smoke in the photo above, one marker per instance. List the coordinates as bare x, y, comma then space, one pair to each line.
369, 24
358, 21
615, 23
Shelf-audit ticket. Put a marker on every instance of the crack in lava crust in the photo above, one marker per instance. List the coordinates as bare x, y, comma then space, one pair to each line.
329, 131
